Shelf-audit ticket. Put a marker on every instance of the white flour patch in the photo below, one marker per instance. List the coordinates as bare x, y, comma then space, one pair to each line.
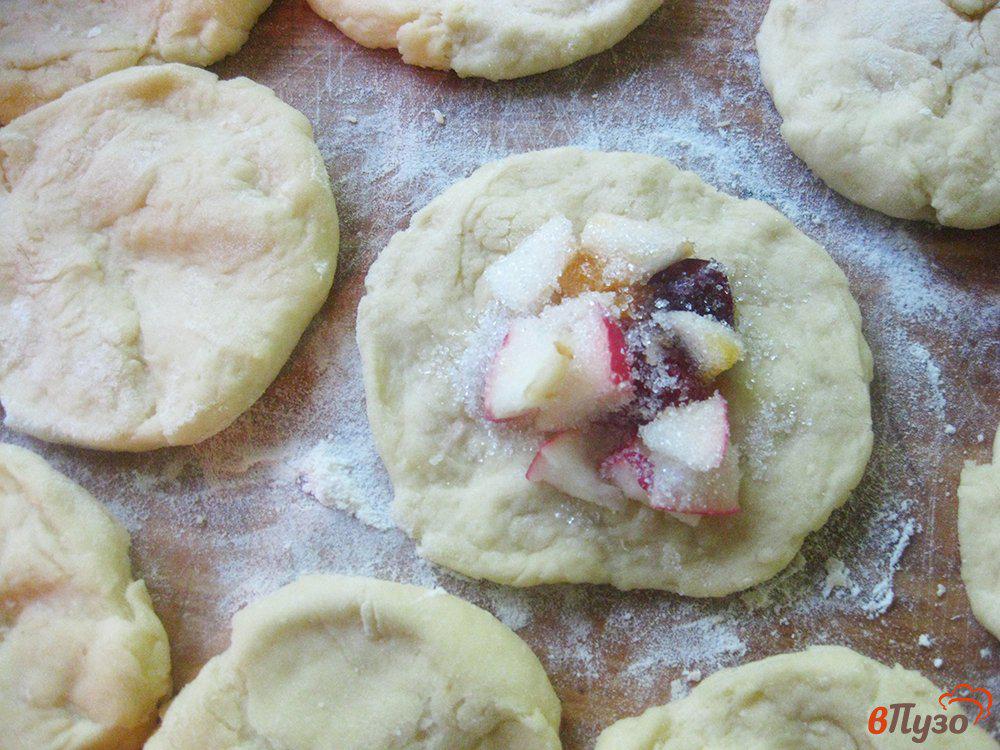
512, 608
328, 476
837, 577
936, 399
882, 593
710, 638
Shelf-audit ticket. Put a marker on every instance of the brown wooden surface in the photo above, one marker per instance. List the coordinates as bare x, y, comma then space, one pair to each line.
216, 525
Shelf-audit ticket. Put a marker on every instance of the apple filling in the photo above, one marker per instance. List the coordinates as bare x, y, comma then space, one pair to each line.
614, 344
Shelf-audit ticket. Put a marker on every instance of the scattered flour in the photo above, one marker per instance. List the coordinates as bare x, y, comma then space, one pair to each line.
327, 475
837, 577
937, 401
679, 689
883, 595
705, 641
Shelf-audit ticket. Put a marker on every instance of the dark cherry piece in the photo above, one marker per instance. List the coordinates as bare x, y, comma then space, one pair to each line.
672, 381
699, 286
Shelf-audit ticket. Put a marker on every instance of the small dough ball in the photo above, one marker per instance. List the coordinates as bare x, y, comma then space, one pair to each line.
818, 699
894, 103
798, 402
48, 47
361, 664
979, 538
166, 239
495, 39
84, 660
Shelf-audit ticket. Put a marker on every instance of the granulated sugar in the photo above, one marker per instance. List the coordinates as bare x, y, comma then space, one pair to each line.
296, 485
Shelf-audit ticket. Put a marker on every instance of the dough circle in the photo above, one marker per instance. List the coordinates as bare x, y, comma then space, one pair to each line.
47, 48
894, 103
84, 660
979, 538
361, 664
167, 238
799, 402
818, 699
495, 39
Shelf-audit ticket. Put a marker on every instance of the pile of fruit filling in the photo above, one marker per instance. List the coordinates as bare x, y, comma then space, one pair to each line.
615, 340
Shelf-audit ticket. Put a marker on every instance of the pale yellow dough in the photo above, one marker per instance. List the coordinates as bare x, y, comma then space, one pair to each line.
818, 699
979, 538
83, 658
798, 401
894, 103
495, 39
166, 239
362, 664
48, 47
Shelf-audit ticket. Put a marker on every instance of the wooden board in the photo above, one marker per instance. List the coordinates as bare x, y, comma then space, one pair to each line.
216, 525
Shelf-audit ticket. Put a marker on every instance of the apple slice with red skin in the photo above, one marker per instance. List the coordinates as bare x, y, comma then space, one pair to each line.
567, 462
664, 483
630, 469
567, 366
681, 490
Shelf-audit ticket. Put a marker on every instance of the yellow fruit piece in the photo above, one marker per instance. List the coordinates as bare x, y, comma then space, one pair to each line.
714, 346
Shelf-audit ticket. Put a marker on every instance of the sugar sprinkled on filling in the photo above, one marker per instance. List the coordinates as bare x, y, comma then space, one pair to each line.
583, 339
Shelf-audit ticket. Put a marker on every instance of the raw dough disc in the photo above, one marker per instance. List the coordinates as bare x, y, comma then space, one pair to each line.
799, 402
495, 39
979, 538
84, 660
818, 699
894, 103
361, 664
167, 238
48, 47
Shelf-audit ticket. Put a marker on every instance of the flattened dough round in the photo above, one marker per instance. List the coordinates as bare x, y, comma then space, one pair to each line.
495, 39
979, 538
83, 658
361, 664
799, 402
167, 238
48, 47
818, 699
894, 103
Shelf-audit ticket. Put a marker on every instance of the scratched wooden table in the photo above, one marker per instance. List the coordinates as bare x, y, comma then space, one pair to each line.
216, 525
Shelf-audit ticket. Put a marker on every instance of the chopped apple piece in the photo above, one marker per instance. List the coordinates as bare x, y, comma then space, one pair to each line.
525, 279
567, 462
565, 367
527, 372
713, 345
680, 490
695, 435
632, 250
631, 471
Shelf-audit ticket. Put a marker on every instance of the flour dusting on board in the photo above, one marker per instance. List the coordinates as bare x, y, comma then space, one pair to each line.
328, 475
296, 485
